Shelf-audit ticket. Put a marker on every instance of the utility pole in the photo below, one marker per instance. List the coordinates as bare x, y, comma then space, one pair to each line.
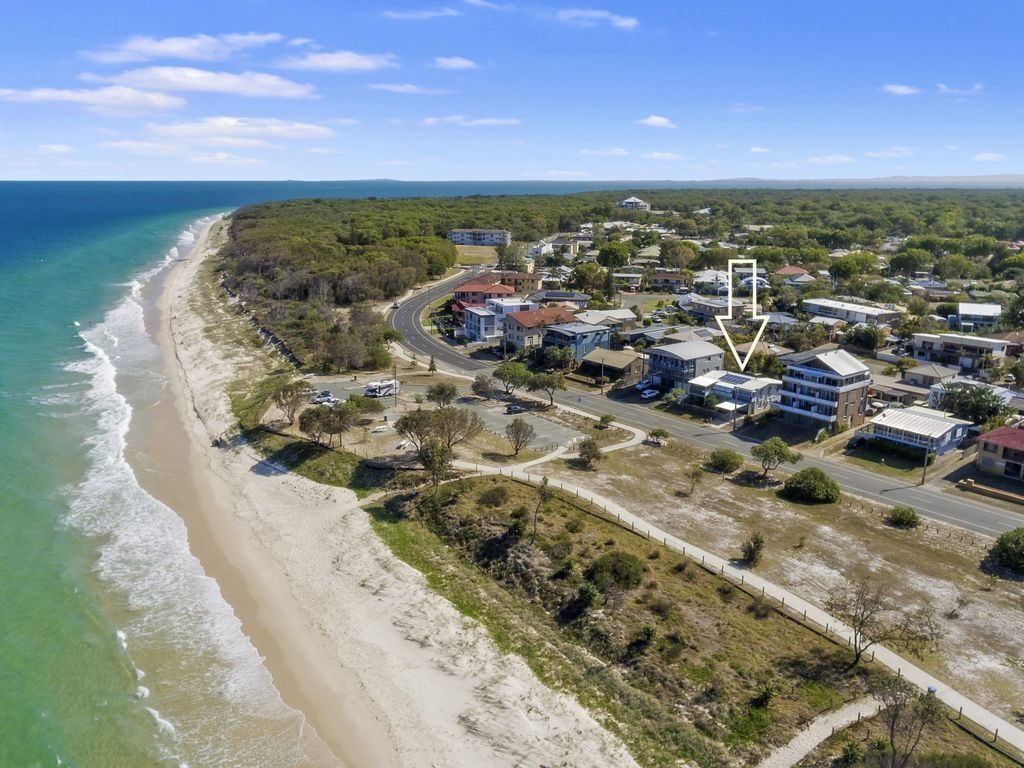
602, 375
924, 468
394, 375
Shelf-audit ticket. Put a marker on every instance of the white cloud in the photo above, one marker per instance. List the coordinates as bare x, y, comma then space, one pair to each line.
830, 160
891, 152
54, 149
469, 121
405, 88
989, 157
489, 5
300, 42
662, 156
611, 152
341, 61
739, 106
422, 15
656, 121
395, 162
224, 158
222, 129
322, 151
589, 17
951, 147
565, 174
454, 62
143, 147
194, 48
900, 90
760, 150
946, 90
202, 80
113, 99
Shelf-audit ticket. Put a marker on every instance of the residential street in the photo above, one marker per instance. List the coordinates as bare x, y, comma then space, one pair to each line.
967, 511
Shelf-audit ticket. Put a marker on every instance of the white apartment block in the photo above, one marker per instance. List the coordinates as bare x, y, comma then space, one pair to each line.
969, 353
849, 312
634, 204
493, 237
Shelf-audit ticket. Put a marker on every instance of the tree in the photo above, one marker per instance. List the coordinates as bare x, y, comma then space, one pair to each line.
589, 451
866, 337
453, 426
558, 357
975, 403
442, 394
906, 714
613, 255
811, 486
417, 427
695, 475
772, 452
338, 420
616, 571
312, 422
904, 517
1013, 313
658, 436
874, 617
391, 336
605, 421
289, 396
512, 375
753, 548
723, 460
519, 432
432, 365
547, 383
1008, 551
484, 385
437, 459
364, 404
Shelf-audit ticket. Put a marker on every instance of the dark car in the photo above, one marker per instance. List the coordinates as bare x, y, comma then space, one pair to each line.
512, 408
855, 442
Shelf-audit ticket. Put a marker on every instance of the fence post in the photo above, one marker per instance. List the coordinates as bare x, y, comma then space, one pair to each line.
743, 579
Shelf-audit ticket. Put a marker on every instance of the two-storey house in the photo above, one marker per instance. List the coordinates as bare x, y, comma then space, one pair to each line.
673, 365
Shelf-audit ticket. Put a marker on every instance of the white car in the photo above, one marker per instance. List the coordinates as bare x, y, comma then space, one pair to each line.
649, 394
396, 305
322, 398
643, 385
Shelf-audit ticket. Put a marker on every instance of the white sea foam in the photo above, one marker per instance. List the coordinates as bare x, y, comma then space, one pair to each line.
220, 681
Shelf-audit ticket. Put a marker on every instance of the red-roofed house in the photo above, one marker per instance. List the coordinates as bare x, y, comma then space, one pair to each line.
1001, 452
524, 330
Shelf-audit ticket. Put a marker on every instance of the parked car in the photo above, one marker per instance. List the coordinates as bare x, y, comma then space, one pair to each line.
396, 305
855, 442
513, 408
649, 394
643, 385
322, 397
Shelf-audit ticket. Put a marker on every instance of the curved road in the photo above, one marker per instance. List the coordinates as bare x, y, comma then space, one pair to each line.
967, 511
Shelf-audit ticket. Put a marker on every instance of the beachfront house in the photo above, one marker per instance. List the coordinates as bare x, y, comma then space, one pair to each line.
824, 387
525, 330
733, 393
579, 338
929, 429
673, 365
1001, 452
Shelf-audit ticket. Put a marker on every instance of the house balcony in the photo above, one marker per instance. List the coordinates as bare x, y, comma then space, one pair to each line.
812, 412
810, 397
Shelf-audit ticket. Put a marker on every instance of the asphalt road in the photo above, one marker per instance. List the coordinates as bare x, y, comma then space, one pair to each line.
967, 511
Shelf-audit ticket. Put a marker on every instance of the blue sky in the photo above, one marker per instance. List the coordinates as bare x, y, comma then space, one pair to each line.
489, 89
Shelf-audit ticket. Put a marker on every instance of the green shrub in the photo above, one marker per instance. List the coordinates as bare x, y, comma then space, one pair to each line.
904, 517
1008, 550
723, 461
753, 548
811, 486
852, 754
495, 496
616, 570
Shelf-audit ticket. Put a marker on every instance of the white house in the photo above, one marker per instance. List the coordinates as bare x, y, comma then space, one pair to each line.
849, 312
480, 324
735, 392
540, 249
634, 204
955, 349
918, 427
974, 317
502, 307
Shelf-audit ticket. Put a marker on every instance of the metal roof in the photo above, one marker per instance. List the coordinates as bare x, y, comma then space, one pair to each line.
925, 422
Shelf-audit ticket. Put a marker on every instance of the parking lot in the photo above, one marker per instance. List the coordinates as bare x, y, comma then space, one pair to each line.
495, 419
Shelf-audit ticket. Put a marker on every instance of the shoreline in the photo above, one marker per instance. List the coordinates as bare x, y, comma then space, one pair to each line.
385, 671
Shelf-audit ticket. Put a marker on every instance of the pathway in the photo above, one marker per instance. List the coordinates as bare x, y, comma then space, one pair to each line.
817, 731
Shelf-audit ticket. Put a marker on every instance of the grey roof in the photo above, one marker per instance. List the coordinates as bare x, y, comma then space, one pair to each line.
687, 350
559, 296
575, 328
837, 360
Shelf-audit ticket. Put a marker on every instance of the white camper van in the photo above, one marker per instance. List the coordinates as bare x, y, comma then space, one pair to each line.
382, 388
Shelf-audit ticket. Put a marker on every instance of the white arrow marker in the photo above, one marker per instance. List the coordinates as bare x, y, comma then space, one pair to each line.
742, 362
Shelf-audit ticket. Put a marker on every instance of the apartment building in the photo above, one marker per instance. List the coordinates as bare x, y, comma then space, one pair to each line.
824, 387
480, 324
849, 312
633, 204
968, 353
493, 237
673, 365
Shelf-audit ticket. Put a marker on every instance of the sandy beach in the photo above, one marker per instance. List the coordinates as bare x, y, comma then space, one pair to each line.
386, 672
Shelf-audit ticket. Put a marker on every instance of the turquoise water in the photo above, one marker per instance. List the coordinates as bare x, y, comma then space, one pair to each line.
95, 573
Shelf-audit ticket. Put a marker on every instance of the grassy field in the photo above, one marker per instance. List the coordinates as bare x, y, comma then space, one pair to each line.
680, 664
473, 255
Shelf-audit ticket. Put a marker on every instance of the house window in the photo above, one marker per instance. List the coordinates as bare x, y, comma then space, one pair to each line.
990, 447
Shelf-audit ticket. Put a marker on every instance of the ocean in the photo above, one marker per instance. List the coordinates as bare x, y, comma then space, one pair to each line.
115, 649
